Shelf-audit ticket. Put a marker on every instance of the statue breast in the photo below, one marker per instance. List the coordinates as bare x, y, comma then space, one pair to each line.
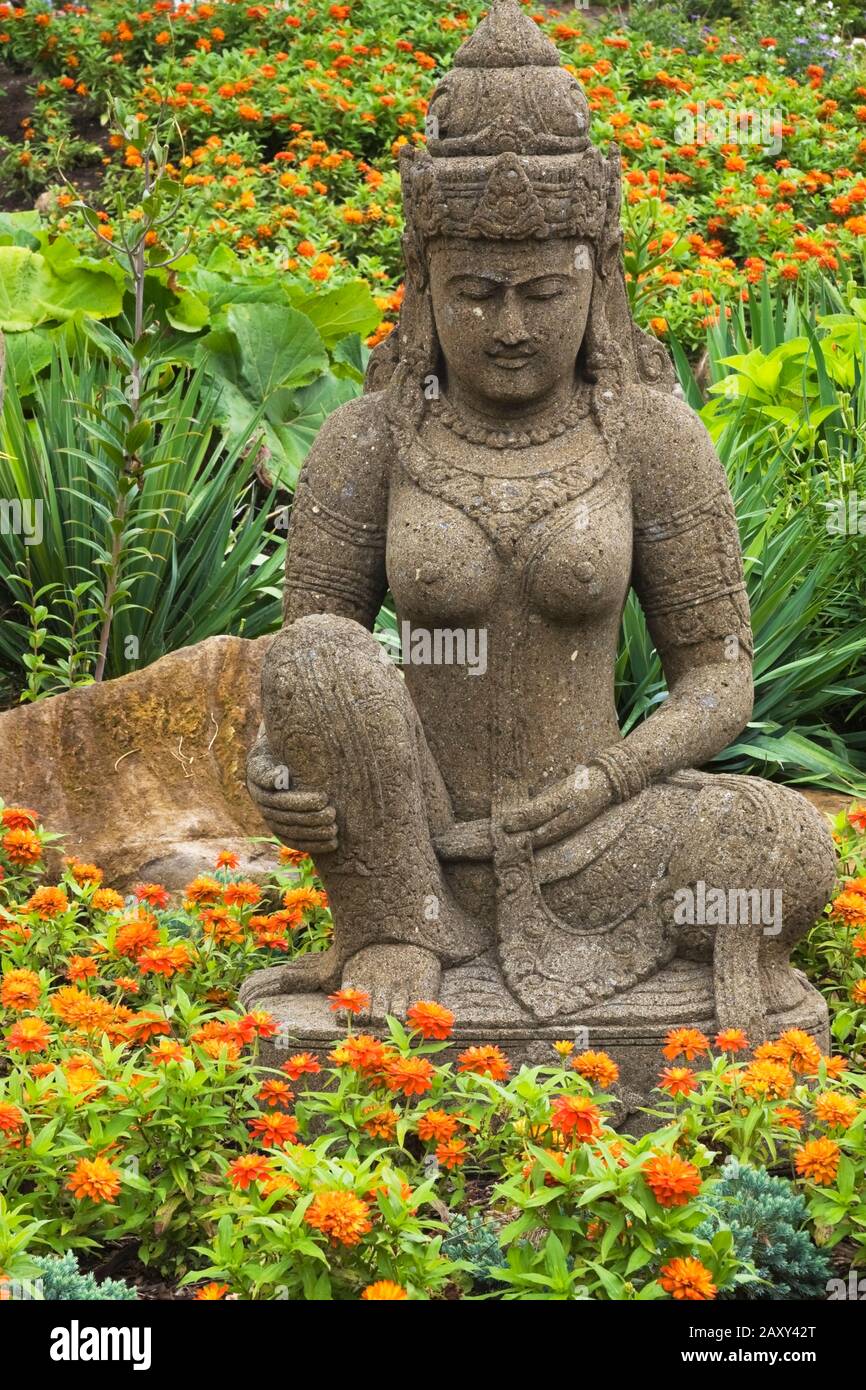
450, 560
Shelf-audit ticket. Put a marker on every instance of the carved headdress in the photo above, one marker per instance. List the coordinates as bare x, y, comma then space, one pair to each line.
508, 150
508, 155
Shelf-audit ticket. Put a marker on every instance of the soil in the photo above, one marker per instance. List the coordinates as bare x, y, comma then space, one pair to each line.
16, 104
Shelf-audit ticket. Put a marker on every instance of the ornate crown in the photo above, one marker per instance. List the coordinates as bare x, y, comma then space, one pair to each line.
508, 151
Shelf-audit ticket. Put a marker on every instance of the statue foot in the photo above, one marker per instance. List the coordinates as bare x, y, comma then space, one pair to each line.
312, 974
394, 977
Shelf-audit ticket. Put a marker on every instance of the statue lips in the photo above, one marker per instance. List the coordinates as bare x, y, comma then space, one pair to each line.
512, 361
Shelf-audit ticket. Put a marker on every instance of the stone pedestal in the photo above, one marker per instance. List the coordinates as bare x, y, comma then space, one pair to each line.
679, 996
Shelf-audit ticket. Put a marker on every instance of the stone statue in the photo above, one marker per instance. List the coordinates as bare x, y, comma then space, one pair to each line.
519, 461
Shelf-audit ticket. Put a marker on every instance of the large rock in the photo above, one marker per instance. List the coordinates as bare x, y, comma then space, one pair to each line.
144, 775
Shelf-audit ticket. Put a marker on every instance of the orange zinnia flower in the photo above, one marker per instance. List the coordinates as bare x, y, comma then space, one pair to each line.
576, 1115
363, 1053
94, 1178
146, 1025
304, 900
340, 1215
384, 1291
835, 1110
488, 1060
106, 900
597, 1067
20, 990
382, 1124
275, 1094
411, 1075
28, 1035
818, 1160
258, 1023
353, 1001
451, 1153
767, 1080
300, 1064
731, 1040
136, 935
21, 818
23, 846
274, 1131
801, 1051
165, 960
851, 907
249, 893
789, 1117
687, 1278
249, 1168
81, 968
834, 1067
431, 1020
685, 1042
292, 856
11, 1118
671, 1180
678, 1081
203, 889
436, 1124
47, 902
211, 1291
152, 893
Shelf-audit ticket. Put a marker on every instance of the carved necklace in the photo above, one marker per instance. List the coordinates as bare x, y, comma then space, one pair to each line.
576, 410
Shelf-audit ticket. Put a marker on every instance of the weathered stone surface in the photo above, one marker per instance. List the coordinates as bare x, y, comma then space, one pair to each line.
485, 832
145, 774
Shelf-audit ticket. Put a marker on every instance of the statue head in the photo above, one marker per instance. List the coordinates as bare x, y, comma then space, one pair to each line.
513, 239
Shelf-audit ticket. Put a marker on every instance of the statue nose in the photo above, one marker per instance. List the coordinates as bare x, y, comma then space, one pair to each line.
510, 329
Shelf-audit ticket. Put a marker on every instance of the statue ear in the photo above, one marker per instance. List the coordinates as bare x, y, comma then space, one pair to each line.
413, 257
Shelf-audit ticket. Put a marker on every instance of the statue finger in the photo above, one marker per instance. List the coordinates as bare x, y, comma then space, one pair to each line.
307, 834
529, 817
294, 803
302, 819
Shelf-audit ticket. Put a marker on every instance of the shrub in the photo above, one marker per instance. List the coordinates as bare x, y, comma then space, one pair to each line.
59, 1278
768, 1219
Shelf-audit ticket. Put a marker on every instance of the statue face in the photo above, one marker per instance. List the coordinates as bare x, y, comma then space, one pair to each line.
510, 315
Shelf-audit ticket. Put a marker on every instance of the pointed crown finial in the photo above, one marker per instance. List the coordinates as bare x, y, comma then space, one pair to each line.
507, 38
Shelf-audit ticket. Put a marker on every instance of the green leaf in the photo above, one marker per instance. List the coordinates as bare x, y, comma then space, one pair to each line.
31, 293
276, 347
346, 309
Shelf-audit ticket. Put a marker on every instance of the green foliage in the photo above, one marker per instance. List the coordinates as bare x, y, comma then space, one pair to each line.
154, 531
791, 431
59, 1279
473, 1243
768, 1220
36, 288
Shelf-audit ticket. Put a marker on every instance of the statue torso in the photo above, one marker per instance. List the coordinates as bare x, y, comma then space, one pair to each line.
531, 546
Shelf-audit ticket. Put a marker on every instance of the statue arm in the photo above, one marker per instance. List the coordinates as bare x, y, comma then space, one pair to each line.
335, 552
335, 563
688, 576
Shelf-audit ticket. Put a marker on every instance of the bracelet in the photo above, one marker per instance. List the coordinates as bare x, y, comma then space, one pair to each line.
623, 769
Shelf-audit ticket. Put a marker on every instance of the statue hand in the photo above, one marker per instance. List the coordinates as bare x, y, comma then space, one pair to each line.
303, 820
562, 809
467, 840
